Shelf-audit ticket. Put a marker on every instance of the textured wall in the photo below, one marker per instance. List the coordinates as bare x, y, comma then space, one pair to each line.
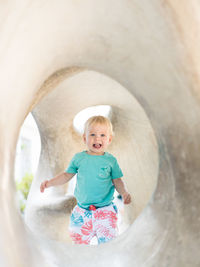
151, 49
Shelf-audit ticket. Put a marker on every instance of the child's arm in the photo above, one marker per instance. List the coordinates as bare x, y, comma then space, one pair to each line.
120, 187
60, 179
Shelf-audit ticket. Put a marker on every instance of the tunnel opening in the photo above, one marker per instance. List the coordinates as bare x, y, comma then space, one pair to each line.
26, 159
134, 145
82, 116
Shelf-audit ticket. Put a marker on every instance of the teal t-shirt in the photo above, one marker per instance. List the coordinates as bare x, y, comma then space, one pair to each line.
94, 178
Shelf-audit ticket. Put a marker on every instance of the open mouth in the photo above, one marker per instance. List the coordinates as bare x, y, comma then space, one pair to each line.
97, 146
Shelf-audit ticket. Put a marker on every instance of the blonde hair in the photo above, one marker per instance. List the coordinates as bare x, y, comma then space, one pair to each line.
98, 120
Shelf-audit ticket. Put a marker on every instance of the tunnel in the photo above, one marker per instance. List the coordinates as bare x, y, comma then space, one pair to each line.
142, 59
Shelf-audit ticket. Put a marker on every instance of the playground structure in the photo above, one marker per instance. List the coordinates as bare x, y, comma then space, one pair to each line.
142, 59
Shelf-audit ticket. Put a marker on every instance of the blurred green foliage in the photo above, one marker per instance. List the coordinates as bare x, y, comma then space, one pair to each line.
23, 188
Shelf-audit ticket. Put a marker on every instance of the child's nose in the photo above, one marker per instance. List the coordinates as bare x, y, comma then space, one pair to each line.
98, 137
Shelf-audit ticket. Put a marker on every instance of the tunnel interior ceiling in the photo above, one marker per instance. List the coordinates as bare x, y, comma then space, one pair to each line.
147, 48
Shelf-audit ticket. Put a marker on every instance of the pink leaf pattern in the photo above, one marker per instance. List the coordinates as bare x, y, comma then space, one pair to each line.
87, 228
101, 223
77, 238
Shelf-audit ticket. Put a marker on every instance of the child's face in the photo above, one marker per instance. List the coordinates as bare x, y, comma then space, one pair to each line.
97, 138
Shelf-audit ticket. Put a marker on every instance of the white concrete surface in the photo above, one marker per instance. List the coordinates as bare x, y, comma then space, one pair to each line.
151, 49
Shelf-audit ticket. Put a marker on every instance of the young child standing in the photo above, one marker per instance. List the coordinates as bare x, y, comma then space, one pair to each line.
98, 175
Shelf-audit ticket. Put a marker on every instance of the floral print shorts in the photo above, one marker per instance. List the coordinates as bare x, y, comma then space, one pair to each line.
99, 222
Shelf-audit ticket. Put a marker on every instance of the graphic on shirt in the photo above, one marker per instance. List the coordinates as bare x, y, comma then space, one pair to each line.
105, 172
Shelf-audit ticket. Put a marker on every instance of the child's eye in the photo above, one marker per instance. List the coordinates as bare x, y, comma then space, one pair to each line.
92, 134
102, 135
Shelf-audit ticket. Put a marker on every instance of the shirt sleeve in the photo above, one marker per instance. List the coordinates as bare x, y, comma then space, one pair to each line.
72, 168
116, 170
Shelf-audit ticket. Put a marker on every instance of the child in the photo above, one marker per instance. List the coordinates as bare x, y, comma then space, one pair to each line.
98, 175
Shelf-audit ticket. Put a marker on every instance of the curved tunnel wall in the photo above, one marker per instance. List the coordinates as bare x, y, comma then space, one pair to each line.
138, 46
134, 144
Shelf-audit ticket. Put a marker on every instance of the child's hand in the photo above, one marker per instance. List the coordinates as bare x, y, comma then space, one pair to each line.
126, 198
43, 186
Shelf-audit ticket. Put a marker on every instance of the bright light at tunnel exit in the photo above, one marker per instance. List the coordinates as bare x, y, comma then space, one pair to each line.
28, 148
85, 114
